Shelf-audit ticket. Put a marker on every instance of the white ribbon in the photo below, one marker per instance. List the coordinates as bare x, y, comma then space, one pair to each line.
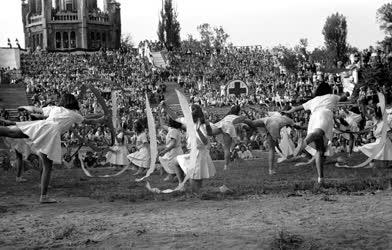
153, 140
191, 134
88, 174
381, 144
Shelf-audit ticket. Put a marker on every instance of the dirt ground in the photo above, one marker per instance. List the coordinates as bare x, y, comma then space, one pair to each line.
285, 211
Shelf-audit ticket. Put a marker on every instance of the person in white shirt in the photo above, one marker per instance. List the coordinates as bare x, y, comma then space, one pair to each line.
321, 123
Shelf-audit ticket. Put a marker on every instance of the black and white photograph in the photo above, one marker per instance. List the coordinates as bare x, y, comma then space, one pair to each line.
196, 124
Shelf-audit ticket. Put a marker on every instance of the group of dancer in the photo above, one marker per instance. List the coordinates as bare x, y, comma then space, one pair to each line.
43, 137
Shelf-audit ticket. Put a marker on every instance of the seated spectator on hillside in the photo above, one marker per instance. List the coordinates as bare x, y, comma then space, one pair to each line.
245, 153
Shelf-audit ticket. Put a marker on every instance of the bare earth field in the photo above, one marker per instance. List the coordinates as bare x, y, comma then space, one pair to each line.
353, 210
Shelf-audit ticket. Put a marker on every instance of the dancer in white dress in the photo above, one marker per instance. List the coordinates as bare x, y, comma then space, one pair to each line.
45, 135
373, 149
168, 155
321, 123
140, 158
226, 132
353, 119
117, 154
204, 167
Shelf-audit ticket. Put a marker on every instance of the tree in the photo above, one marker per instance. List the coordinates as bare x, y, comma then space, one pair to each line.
384, 17
301, 49
212, 37
287, 57
220, 38
206, 35
127, 43
335, 35
169, 27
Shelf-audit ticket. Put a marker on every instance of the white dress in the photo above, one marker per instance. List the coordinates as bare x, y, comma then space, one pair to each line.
227, 126
119, 157
141, 158
169, 160
322, 108
353, 121
204, 167
370, 149
45, 135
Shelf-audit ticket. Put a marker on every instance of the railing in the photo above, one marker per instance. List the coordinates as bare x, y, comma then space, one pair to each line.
35, 19
65, 17
100, 18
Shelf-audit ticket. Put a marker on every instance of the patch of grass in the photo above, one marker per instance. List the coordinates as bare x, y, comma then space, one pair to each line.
285, 241
247, 179
64, 232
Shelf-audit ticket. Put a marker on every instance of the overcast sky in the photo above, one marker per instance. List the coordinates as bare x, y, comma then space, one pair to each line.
248, 22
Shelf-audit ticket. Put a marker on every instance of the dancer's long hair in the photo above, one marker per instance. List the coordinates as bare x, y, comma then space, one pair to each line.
174, 124
234, 110
140, 125
323, 89
69, 101
197, 113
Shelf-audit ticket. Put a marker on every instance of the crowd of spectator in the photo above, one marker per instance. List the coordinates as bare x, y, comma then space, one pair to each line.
203, 75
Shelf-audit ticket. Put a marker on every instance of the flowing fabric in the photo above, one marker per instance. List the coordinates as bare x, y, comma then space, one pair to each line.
153, 140
191, 133
88, 174
380, 144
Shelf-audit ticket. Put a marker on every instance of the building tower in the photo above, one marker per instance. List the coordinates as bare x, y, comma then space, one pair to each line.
61, 25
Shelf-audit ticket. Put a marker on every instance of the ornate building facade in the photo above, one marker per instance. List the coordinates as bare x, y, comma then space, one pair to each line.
71, 24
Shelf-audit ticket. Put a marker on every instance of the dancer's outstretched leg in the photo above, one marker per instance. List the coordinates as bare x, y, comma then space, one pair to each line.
12, 132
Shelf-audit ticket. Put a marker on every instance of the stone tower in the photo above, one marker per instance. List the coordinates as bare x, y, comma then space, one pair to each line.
62, 25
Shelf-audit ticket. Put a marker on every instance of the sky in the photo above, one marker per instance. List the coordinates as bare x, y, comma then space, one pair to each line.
248, 22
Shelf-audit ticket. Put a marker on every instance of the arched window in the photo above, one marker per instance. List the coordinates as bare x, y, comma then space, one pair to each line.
98, 36
104, 39
58, 40
41, 40
73, 40
92, 36
65, 40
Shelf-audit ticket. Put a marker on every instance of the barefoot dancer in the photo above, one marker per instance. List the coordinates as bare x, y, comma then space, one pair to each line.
273, 123
204, 167
45, 135
352, 120
378, 150
168, 155
117, 154
321, 123
226, 132
140, 158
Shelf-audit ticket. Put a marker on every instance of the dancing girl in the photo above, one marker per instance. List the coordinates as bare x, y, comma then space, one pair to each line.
45, 135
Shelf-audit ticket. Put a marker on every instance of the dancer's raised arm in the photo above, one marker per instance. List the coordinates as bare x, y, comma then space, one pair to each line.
294, 109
